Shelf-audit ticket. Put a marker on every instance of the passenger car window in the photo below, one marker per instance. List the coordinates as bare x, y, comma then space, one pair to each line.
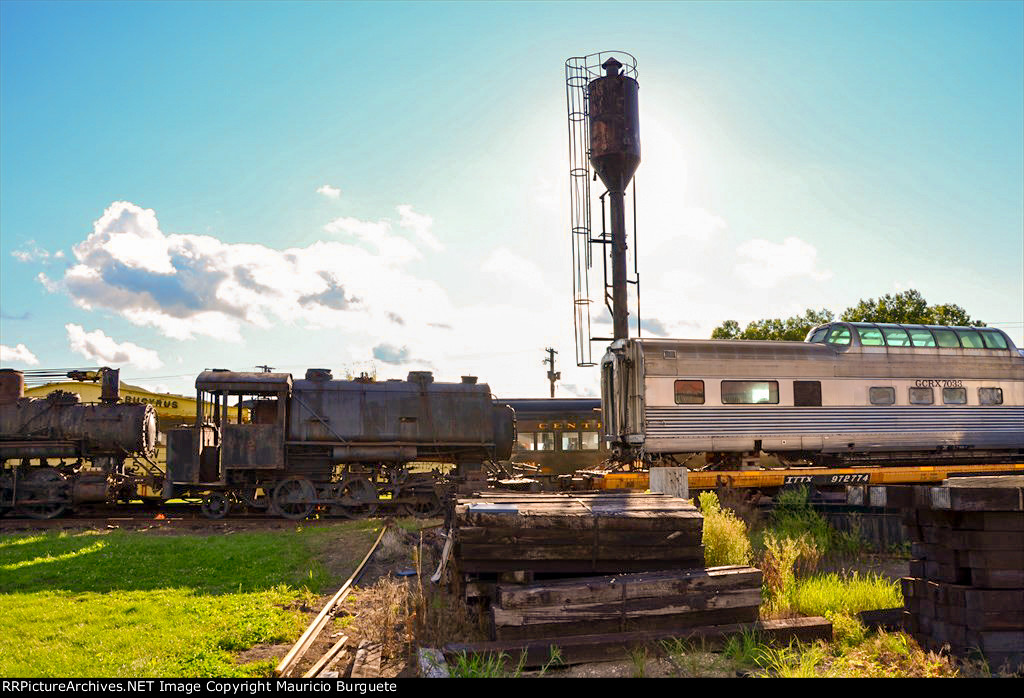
922, 396
922, 337
545, 441
839, 335
946, 338
750, 392
807, 393
525, 441
896, 337
689, 392
990, 396
570, 441
954, 396
882, 396
590, 441
819, 335
993, 340
870, 336
970, 339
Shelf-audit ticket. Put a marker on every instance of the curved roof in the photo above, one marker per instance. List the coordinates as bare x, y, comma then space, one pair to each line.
882, 334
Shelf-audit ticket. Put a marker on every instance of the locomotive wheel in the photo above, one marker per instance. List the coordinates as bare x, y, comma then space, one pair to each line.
295, 498
215, 505
41, 482
359, 498
426, 506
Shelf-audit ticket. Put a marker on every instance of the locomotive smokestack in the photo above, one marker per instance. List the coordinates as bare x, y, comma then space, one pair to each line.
615, 155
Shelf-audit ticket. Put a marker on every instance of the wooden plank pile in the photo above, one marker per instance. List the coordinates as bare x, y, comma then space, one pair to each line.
966, 583
595, 533
667, 600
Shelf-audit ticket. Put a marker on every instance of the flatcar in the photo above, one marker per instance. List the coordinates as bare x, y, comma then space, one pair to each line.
58, 452
340, 446
851, 393
556, 436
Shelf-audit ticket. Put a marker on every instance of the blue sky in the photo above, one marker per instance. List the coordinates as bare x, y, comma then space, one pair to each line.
794, 155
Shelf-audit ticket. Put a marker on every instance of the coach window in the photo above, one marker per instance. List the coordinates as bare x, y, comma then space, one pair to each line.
954, 396
922, 337
818, 336
882, 396
590, 441
990, 396
525, 441
993, 339
896, 336
545, 441
750, 392
970, 339
570, 441
689, 392
922, 396
946, 338
839, 335
807, 393
870, 336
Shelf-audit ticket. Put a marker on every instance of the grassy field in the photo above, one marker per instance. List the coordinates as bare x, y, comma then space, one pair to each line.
144, 604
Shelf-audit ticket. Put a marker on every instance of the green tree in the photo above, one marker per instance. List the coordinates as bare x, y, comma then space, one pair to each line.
908, 307
793, 329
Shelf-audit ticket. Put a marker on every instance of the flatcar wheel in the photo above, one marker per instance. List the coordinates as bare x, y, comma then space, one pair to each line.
43, 482
215, 505
426, 506
358, 498
295, 498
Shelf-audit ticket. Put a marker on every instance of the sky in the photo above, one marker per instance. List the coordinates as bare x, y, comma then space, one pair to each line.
383, 187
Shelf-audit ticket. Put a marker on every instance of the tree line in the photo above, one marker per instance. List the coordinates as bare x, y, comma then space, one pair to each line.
908, 307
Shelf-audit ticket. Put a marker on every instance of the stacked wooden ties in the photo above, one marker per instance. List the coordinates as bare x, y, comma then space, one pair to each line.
966, 584
553, 534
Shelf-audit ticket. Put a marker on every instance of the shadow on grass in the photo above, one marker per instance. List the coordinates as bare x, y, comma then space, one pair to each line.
118, 560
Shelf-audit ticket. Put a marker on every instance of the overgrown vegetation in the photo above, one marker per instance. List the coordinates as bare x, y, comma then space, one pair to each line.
725, 535
139, 604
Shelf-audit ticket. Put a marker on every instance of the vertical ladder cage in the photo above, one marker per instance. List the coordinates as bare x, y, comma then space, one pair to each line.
579, 72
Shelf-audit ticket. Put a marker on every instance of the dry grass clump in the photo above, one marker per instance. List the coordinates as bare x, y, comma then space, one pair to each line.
382, 616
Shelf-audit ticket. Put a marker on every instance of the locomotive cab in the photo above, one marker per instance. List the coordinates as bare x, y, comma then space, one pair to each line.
241, 421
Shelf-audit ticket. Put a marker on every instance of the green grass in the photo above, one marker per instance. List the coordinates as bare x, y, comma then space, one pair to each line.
831, 593
136, 604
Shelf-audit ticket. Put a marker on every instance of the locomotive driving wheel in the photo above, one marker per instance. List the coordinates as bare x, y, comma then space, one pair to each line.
425, 505
42, 488
295, 498
358, 498
215, 505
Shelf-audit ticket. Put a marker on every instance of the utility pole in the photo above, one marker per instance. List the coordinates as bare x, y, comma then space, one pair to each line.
552, 374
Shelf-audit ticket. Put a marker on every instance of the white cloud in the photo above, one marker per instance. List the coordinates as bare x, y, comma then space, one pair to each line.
329, 191
18, 354
771, 263
506, 265
97, 345
186, 285
420, 224
31, 252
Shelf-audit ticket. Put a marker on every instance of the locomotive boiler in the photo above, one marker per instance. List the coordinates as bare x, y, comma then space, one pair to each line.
266, 441
57, 452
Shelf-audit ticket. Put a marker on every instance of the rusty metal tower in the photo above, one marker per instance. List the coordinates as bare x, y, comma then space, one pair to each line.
604, 141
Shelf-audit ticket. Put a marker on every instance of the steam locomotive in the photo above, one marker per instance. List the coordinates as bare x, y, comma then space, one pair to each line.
260, 441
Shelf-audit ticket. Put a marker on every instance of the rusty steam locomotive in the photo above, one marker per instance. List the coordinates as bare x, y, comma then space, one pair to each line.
261, 441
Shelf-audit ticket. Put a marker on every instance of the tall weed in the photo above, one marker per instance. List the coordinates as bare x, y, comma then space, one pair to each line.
725, 535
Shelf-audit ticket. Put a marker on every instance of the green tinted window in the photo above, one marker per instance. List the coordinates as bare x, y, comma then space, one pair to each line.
946, 338
970, 339
870, 336
922, 337
839, 335
993, 340
896, 337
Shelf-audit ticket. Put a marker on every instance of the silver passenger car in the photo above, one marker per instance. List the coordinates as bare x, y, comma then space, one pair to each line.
852, 392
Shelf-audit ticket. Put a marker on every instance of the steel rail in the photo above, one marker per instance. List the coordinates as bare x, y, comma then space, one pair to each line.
304, 642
